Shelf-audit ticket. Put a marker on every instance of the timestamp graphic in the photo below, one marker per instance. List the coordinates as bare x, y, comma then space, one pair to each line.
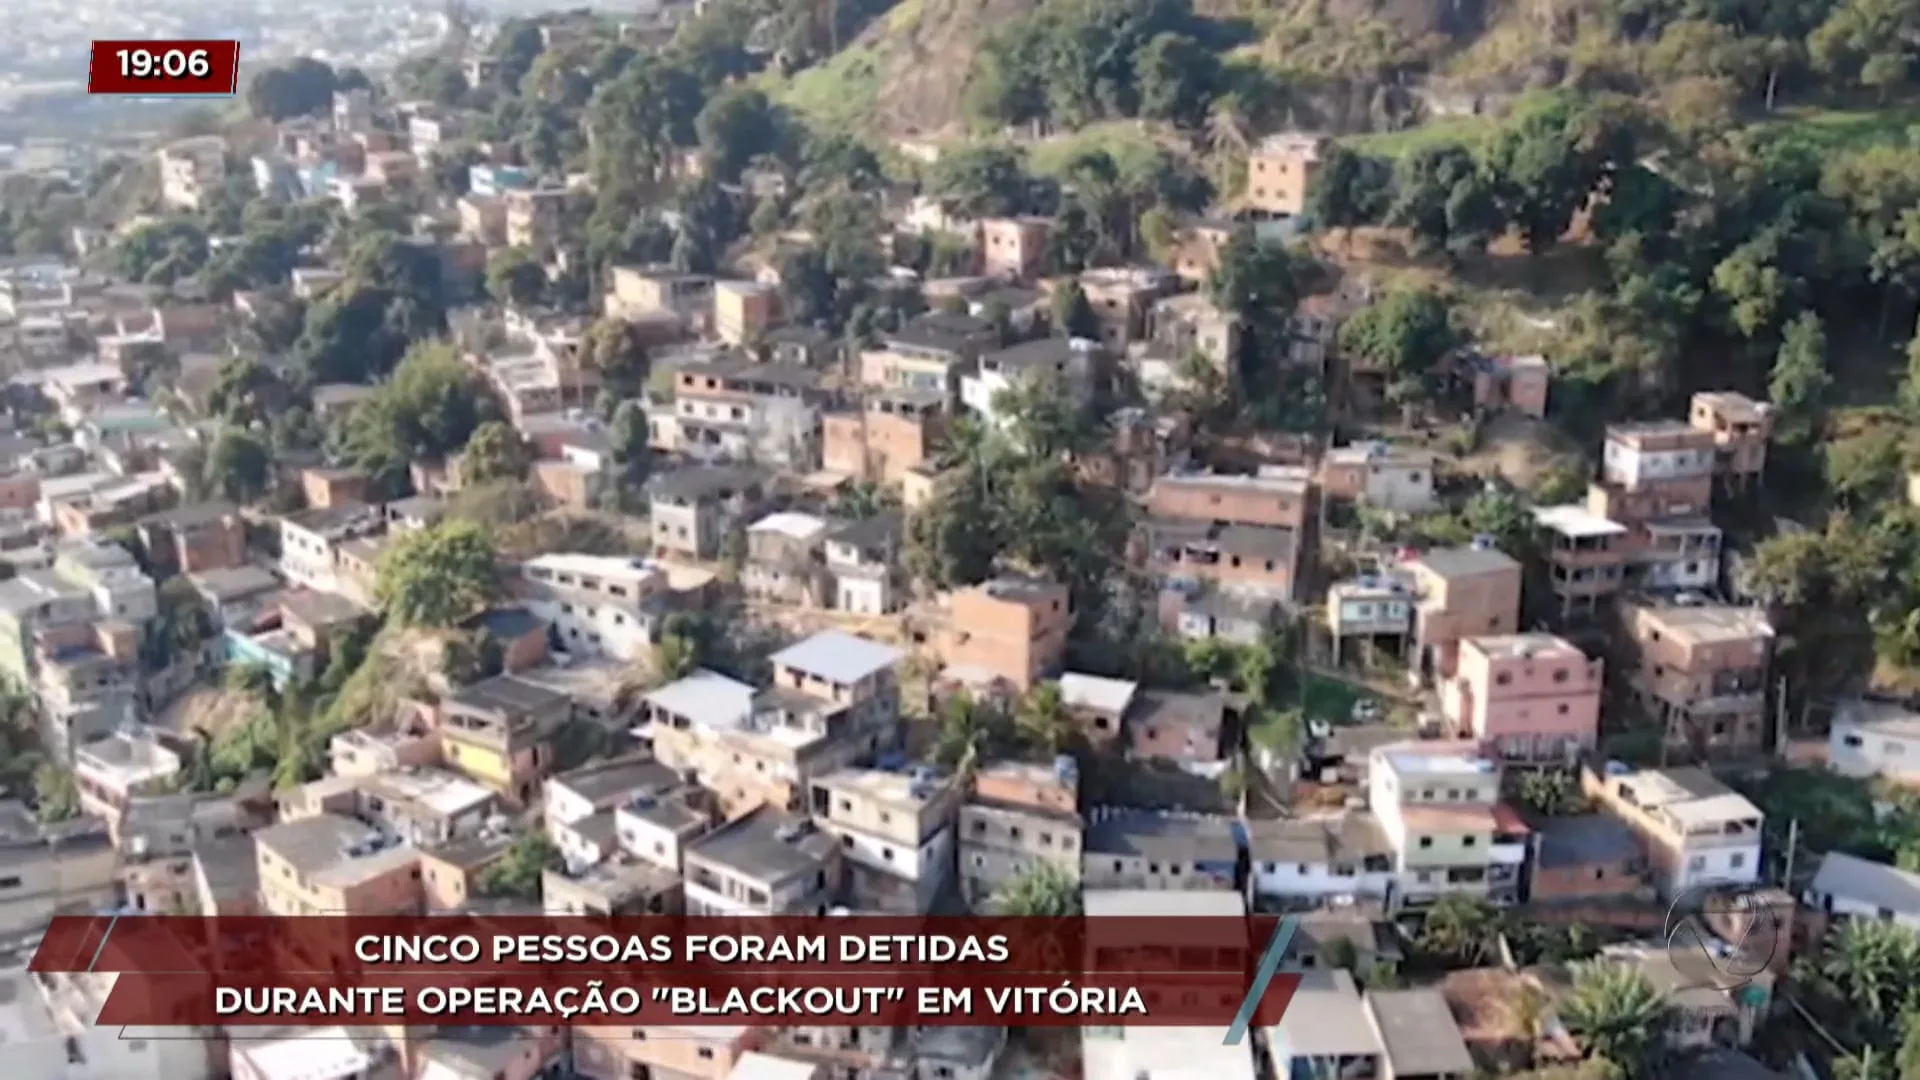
165, 68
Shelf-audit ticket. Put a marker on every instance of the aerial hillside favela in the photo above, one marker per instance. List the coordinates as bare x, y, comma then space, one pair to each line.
1447, 471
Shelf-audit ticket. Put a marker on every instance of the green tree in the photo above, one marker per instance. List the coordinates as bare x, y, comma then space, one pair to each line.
1462, 929
1799, 382
515, 277
1073, 313
495, 452
738, 125
615, 349
239, 467
301, 87
1176, 76
1045, 891
438, 575
1618, 1015
1548, 157
1350, 189
519, 871
1405, 332
981, 181
1043, 719
56, 796
1754, 288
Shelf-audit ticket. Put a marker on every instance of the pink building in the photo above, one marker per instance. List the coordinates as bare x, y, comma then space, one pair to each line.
1529, 697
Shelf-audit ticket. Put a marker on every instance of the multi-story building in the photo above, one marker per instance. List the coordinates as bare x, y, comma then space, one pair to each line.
109, 772
1201, 242
641, 292
598, 604
694, 510
192, 170
1020, 817
1327, 1031
891, 432
750, 747
1160, 852
1011, 629
1439, 805
743, 310
896, 834
1014, 248
928, 355
49, 1021
1313, 862
863, 563
1654, 470
1741, 427
1380, 475
1875, 739
87, 682
1849, 887
1586, 556
533, 217
1696, 830
1369, 610
1255, 560
329, 864
1184, 727
1277, 497
1184, 326
1280, 170
1120, 298
52, 868
499, 732
767, 862
1460, 593
1702, 671
425, 807
1069, 362
848, 672
311, 541
1529, 698
786, 559
195, 539
739, 410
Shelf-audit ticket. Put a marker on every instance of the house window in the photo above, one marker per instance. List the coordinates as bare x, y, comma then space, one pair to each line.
1736, 860
1426, 842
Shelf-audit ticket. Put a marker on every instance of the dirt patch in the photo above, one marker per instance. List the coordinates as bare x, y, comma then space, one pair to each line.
209, 709
923, 53
1520, 450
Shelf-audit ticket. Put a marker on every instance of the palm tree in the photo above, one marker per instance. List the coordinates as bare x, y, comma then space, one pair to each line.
674, 658
1527, 1013
1227, 126
1462, 928
1043, 719
1867, 974
1618, 1015
967, 730
1045, 890
200, 773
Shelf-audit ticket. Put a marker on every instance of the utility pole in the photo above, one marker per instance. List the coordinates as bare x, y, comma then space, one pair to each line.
1780, 719
1793, 845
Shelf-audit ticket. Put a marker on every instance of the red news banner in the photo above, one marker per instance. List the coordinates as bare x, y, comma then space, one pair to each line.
165, 68
683, 971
